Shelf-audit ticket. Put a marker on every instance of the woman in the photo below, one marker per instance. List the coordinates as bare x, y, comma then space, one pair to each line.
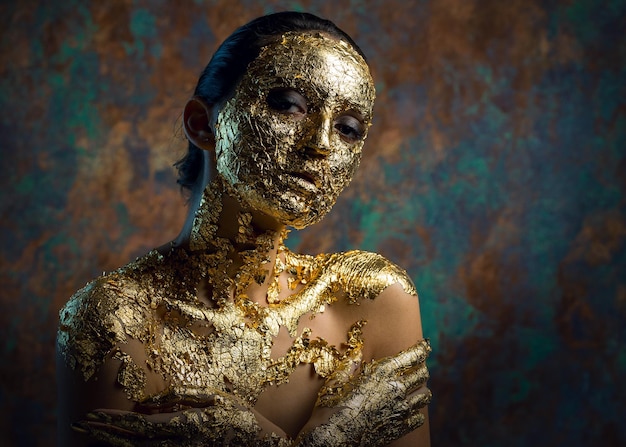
224, 336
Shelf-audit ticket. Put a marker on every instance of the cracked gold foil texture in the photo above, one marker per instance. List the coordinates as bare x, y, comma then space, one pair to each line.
224, 346
260, 152
360, 417
154, 300
131, 377
223, 424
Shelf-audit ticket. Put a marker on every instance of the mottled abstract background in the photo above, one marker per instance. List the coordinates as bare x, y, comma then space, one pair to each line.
495, 173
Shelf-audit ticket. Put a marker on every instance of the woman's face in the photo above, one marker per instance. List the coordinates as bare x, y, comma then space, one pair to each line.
290, 138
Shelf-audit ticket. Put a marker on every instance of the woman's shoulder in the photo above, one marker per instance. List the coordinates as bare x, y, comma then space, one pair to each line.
384, 296
365, 275
104, 313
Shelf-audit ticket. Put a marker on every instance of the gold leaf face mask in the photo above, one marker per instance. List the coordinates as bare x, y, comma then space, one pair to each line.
290, 138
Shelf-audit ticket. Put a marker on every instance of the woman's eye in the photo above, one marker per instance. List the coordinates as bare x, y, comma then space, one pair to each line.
287, 101
350, 128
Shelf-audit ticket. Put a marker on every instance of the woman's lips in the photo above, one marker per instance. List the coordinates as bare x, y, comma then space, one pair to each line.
305, 180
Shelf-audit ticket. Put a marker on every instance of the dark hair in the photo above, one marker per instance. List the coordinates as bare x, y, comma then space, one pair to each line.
230, 61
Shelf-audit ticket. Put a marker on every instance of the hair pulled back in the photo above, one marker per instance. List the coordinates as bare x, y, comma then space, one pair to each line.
229, 63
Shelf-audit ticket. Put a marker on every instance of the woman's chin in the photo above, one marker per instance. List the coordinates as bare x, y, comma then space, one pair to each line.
303, 220
287, 208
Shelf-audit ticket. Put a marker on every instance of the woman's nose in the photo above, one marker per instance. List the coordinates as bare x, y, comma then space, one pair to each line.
319, 143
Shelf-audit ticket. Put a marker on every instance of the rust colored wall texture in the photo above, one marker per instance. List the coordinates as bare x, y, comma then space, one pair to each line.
494, 173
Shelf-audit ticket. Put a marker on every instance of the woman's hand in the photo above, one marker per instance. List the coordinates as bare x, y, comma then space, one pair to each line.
207, 419
376, 406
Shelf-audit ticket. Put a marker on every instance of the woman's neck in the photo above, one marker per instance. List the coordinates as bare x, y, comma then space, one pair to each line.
244, 244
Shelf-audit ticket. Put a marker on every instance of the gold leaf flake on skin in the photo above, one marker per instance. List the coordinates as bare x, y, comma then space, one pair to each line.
153, 300
223, 344
259, 149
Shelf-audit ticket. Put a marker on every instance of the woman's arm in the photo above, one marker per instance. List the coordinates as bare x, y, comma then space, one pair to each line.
99, 410
221, 421
379, 404
399, 327
77, 396
386, 400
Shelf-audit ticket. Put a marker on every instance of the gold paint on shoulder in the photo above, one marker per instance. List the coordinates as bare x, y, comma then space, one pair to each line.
364, 275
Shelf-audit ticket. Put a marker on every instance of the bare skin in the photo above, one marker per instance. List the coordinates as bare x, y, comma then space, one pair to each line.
393, 325
297, 397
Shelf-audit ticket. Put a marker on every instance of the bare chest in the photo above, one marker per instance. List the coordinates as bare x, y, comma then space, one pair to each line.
253, 351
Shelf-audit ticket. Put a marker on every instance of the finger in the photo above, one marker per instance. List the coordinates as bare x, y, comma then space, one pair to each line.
117, 421
128, 423
399, 362
186, 403
415, 421
111, 429
406, 359
190, 398
415, 378
120, 418
151, 421
419, 399
130, 426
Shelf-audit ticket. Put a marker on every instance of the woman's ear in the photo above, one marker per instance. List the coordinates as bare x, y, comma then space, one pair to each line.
197, 123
